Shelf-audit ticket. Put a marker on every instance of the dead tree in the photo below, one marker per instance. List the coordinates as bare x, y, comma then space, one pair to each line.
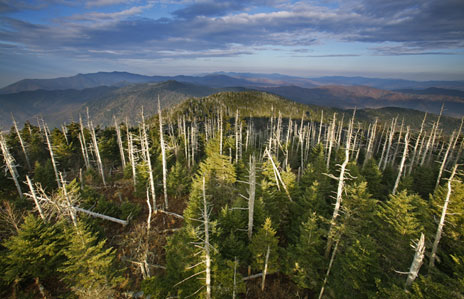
97, 153
370, 143
266, 261
417, 261
413, 158
329, 268
207, 245
10, 164
331, 137
277, 174
445, 157
146, 150
21, 142
132, 158
121, 147
52, 156
403, 161
442, 220
163, 155
341, 185
251, 195
390, 140
34, 197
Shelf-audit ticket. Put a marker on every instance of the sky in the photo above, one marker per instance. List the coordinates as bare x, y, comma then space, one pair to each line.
419, 40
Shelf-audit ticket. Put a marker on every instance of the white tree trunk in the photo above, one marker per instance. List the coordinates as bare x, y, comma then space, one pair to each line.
403, 160
21, 142
121, 147
265, 267
50, 149
97, 153
445, 157
251, 195
206, 248
442, 220
10, 164
146, 149
163, 156
34, 197
413, 159
417, 261
341, 185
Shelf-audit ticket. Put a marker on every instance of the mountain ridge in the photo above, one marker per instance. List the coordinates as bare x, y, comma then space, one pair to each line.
219, 79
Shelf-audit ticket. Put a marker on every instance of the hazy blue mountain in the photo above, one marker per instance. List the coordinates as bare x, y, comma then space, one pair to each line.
347, 97
387, 83
220, 79
83, 81
435, 91
59, 106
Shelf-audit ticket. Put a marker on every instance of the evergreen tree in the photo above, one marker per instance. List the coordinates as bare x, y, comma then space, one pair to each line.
264, 250
90, 268
35, 253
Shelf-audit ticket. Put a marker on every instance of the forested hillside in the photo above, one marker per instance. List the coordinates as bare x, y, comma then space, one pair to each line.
236, 195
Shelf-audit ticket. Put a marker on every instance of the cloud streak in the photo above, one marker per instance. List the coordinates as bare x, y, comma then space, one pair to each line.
207, 28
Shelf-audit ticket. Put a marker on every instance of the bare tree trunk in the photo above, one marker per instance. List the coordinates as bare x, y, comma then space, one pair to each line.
442, 220
370, 143
341, 185
320, 127
413, 159
398, 143
220, 132
329, 268
52, 156
21, 143
390, 140
265, 267
146, 149
251, 195
403, 160
97, 153
34, 197
9, 161
70, 209
130, 146
278, 176
417, 261
85, 155
442, 167
207, 253
163, 156
121, 147
331, 140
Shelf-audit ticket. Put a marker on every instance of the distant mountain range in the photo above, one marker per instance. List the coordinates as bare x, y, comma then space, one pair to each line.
221, 79
59, 106
123, 94
347, 97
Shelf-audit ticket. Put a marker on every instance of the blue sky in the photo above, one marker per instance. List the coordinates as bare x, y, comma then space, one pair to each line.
421, 40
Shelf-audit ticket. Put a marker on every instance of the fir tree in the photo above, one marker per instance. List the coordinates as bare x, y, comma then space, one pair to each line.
90, 268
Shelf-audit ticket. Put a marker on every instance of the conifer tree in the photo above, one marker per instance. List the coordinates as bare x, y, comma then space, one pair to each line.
34, 253
89, 270
264, 251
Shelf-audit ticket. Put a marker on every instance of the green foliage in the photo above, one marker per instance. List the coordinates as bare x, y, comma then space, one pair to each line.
224, 279
306, 261
265, 239
45, 175
90, 268
36, 252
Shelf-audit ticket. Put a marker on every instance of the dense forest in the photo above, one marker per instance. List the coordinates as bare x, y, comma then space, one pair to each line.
236, 195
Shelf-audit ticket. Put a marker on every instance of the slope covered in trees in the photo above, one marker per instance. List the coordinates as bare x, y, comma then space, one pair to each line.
237, 195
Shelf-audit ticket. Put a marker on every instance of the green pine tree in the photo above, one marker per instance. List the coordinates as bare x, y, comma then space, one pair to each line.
90, 268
